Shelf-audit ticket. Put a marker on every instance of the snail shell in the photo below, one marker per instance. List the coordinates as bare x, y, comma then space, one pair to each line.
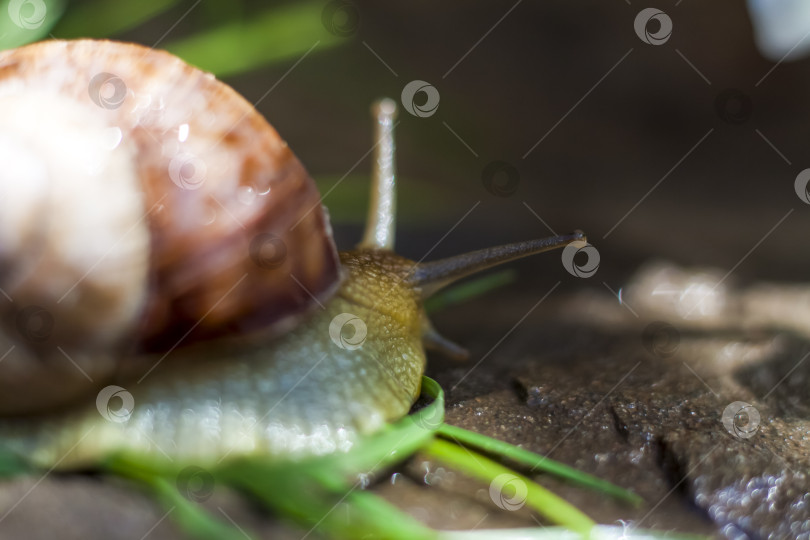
142, 204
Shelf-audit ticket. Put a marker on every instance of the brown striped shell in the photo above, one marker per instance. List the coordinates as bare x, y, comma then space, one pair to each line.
194, 219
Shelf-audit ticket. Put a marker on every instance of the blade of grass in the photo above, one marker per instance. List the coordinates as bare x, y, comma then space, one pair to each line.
540, 499
190, 516
536, 461
297, 493
385, 517
158, 478
273, 35
102, 18
469, 289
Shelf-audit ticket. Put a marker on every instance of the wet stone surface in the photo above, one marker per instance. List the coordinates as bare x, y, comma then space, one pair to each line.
705, 417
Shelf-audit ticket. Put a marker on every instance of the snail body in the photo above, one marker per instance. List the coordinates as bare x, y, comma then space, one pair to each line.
220, 349
300, 394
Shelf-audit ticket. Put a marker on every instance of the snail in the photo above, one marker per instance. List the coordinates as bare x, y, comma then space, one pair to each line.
162, 248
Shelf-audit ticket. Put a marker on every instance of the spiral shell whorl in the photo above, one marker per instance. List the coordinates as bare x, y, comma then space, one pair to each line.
60, 254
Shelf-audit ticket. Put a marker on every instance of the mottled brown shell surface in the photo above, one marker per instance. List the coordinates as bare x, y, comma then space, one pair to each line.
239, 242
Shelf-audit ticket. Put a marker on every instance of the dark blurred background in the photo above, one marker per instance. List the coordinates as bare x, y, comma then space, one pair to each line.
585, 116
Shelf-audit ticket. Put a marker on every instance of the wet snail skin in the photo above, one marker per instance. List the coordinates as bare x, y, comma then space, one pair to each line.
175, 287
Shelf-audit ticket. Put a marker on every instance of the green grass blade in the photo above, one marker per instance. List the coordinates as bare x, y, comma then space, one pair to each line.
273, 35
102, 18
382, 516
536, 462
297, 493
190, 516
470, 289
159, 478
537, 497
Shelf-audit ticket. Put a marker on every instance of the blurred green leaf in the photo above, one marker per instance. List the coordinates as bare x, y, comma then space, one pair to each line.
470, 289
26, 21
12, 464
102, 18
270, 36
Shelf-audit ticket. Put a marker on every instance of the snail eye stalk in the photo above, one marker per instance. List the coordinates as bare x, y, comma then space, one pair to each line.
382, 209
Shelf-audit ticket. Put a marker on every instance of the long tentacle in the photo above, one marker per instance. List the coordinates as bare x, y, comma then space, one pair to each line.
432, 276
381, 220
